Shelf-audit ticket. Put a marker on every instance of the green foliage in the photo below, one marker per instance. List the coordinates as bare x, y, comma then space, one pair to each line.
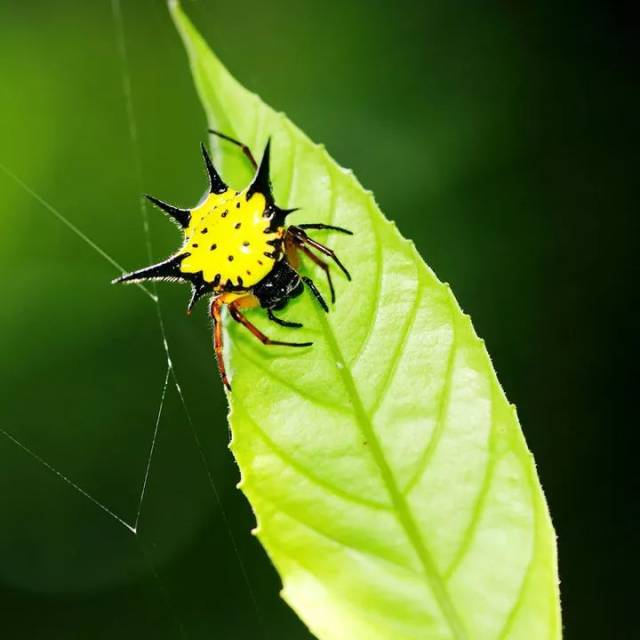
389, 477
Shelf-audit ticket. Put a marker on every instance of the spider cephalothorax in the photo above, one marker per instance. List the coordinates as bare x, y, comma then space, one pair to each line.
238, 249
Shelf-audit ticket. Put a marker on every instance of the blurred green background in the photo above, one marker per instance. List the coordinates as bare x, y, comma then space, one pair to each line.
495, 134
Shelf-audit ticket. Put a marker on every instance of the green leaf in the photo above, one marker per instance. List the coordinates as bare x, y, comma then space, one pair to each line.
391, 483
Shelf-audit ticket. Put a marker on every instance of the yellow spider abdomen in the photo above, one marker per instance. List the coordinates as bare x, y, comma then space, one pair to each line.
228, 240
238, 250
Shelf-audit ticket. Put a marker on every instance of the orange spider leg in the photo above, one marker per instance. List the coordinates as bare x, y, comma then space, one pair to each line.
323, 265
216, 314
292, 248
248, 302
291, 251
245, 149
292, 245
235, 304
303, 239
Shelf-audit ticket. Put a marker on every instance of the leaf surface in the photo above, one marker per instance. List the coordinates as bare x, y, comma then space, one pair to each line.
391, 483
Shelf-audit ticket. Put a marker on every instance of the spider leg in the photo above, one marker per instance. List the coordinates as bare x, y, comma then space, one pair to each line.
303, 238
235, 304
216, 314
320, 225
283, 323
234, 310
323, 265
245, 149
309, 282
291, 247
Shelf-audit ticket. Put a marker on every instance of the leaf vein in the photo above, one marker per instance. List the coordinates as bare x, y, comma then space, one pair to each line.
303, 471
469, 533
303, 393
534, 552
377, 284
402, 510
293, 163
443, 405
520, 598
333, 538
395, 358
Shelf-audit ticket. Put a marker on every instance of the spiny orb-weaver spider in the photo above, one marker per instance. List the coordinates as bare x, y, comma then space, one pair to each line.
238, 249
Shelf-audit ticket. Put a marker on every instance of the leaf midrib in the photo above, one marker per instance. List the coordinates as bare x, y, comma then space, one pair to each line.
401, 511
